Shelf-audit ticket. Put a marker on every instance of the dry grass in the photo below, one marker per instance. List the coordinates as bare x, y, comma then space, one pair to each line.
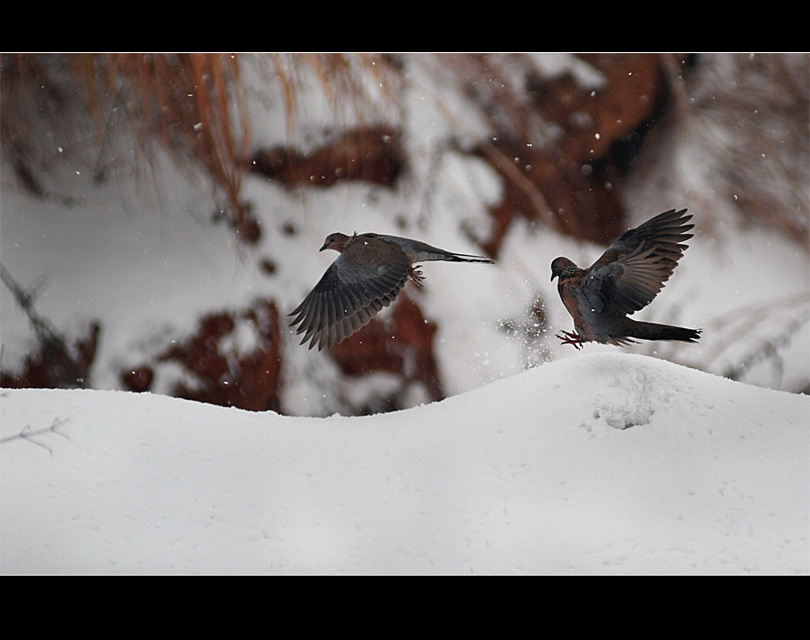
193, 105
751, 113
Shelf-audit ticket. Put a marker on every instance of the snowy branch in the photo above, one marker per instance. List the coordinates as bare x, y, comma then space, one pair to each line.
27, 434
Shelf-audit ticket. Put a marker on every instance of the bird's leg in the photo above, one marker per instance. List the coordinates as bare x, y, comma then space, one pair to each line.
415, 272
573, 339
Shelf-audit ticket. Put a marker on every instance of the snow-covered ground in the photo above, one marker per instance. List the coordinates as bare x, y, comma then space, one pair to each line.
599, 464
526, 468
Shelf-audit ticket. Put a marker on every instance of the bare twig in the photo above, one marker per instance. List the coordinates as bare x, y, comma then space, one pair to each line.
27, 434
67, 366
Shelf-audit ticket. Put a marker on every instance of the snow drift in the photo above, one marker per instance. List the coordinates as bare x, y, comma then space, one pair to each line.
610, 463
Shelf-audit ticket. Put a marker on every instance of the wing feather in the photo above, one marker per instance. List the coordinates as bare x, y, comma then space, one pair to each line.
366, 277
634, 268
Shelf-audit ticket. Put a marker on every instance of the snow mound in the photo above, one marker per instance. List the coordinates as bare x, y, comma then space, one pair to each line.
610, 463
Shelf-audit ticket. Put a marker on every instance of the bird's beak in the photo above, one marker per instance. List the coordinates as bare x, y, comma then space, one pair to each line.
553, 275
325, 246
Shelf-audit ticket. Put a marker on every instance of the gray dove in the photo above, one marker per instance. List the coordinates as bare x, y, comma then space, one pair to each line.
626, 278
368, 275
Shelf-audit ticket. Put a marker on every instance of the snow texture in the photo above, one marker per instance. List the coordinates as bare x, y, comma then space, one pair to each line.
597, 464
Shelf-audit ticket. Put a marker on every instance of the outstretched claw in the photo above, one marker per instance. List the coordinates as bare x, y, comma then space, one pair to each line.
416, 275
573, 339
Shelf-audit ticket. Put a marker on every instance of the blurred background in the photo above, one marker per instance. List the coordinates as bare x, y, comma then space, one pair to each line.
161, 214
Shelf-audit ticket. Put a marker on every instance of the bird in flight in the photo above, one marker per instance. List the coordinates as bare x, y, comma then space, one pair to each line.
368, 275
626, 278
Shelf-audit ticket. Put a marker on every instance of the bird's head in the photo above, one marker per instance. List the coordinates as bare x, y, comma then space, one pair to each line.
558, 265
335, 241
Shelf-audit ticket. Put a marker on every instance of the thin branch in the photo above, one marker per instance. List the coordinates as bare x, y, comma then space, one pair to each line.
27, 434
66, 366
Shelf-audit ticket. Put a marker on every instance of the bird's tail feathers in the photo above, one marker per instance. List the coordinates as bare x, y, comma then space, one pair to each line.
653, 331
464, 257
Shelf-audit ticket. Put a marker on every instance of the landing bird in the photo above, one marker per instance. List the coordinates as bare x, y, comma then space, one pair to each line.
367, 276
623, 280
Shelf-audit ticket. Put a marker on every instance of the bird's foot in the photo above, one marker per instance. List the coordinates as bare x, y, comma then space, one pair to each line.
416, 275
574, 339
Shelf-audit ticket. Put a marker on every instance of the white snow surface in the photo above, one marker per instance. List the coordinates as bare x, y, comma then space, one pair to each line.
604, 463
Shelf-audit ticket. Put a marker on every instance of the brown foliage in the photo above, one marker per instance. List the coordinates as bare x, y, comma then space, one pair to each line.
372, 154
402, 346
573, 185
191, 104
55, 361
218, 372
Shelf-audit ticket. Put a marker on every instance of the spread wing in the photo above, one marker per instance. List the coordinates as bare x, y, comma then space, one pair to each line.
363, 279
636, 265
